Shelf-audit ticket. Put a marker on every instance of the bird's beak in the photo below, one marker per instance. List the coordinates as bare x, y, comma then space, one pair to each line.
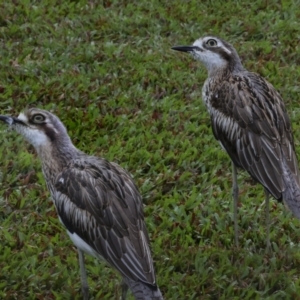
11, 120
184, 48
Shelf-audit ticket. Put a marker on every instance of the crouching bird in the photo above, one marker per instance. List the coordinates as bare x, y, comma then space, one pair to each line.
250, 121
97, 202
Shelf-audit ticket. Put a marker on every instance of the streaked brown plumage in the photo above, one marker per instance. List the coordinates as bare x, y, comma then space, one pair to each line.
261, 131
250, 121
99, 201
96, 200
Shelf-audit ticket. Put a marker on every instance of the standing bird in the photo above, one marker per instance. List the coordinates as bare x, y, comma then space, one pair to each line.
250, 121
96, 200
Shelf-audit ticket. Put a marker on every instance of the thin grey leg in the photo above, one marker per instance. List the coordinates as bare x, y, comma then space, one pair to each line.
268, 219
84, 283
235, 194
124, 290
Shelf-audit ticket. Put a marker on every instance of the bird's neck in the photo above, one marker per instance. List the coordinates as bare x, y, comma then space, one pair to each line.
217, 72
223, 71
55, 158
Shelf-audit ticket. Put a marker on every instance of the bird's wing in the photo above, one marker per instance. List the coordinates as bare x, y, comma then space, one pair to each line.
99, 201
251, 122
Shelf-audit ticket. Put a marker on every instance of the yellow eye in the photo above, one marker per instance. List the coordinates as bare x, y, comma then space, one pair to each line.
38, 118
211, 43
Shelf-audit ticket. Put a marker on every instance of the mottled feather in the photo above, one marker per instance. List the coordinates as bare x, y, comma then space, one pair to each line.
249, 119
96, 200
106, 195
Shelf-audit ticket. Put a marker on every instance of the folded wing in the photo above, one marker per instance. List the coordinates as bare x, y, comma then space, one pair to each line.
99, 201
250, 120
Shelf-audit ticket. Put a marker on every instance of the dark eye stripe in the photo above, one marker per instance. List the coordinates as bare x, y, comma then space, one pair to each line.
220, 50
50, 132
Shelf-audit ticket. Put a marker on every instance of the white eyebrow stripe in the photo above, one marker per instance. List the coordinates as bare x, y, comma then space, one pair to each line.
220, 43
22, 117
226, 49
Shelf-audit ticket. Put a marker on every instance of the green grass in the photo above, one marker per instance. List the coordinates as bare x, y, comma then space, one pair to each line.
108, 72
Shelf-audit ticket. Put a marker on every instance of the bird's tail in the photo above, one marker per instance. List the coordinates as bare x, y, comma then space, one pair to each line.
291, 194
142, 291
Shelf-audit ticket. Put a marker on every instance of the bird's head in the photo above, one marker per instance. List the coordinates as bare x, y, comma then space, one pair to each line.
215, 53
39, 127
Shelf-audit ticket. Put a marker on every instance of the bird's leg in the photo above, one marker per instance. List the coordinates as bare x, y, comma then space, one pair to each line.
124, 290
235, 194
84, 283
268, 219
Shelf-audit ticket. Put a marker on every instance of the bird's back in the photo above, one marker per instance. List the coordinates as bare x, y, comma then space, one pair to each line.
250, 120
99, 202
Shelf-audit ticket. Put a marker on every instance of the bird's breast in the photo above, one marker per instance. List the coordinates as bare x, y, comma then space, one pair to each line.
209, 92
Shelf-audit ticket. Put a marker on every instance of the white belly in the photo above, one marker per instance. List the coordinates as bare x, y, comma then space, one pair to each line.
83, 246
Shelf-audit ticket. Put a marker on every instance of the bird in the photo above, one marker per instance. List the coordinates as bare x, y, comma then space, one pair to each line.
250, 121
96, 200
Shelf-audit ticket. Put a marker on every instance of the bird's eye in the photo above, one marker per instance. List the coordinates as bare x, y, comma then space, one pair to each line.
211, 43
38, 118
